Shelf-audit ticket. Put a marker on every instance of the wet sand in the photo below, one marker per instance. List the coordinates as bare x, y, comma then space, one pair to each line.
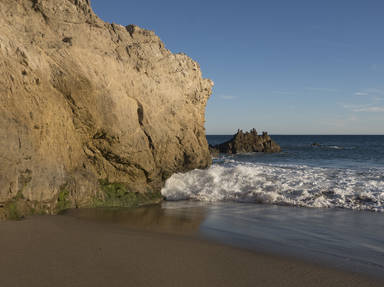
68, 251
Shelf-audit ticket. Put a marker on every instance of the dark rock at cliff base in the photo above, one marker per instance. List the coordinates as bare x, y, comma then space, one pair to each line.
246, 142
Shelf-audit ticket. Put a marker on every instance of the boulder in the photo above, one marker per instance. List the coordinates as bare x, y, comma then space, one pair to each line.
246, 142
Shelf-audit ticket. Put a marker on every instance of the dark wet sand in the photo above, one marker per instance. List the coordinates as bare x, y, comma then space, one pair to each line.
67, 251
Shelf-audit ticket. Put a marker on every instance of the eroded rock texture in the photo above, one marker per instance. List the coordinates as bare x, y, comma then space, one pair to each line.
246, 142
83, 100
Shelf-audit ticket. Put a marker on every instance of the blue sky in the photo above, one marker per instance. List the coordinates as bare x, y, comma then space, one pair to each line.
288, 67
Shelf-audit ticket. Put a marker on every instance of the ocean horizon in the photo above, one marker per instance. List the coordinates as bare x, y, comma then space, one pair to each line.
108, 176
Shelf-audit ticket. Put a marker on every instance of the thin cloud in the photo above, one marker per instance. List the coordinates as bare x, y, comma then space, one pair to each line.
327, 90
364, 108
369, 109
361, 94
284, 93
376, 93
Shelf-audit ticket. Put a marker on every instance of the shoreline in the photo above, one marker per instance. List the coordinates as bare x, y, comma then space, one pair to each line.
67, 251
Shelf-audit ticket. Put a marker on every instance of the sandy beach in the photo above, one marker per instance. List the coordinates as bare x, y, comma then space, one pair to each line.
68, 251
191, 143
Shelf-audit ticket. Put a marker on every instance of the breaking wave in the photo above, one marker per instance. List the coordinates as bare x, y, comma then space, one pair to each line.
293, 185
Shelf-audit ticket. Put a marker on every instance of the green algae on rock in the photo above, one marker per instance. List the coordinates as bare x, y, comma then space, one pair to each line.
83, 100
120, 195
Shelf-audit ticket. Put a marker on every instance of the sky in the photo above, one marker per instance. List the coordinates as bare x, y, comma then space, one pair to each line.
287, 67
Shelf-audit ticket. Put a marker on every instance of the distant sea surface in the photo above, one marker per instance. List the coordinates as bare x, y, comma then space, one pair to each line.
321, 198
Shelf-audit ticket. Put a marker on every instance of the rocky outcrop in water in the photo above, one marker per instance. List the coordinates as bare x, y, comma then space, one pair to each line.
246, 142
82, 100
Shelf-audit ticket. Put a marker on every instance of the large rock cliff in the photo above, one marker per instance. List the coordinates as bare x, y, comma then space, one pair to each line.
82, 101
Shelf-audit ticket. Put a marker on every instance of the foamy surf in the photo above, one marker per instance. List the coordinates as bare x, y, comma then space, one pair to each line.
293, 185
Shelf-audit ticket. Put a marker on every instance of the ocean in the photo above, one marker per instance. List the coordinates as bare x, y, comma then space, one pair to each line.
311, 171
321, 198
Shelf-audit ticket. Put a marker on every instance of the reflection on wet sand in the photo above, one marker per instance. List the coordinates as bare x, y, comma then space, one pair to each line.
151, 218
344, 239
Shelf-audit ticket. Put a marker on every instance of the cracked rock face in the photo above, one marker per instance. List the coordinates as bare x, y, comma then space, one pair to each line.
246, 142
83, 100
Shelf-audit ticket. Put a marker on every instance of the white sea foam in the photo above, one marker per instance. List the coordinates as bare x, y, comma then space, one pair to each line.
283, 185
335, 147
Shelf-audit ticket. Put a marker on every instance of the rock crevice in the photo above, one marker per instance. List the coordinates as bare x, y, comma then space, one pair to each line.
82, 100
